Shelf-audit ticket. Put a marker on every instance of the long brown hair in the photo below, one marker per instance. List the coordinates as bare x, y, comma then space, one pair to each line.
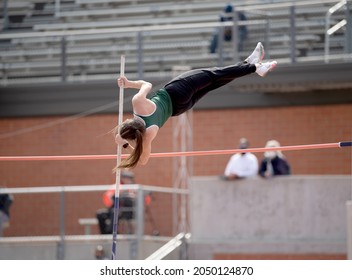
131, 129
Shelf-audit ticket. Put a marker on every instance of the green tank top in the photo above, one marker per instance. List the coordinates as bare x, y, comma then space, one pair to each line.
163, 110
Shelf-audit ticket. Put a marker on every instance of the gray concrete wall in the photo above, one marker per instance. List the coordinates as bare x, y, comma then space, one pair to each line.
288, 214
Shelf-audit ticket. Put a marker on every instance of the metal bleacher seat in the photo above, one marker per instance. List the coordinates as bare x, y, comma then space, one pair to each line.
124, 23
136, 15
23, 14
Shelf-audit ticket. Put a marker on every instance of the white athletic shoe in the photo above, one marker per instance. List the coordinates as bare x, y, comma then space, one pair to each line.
257, 55
264, 68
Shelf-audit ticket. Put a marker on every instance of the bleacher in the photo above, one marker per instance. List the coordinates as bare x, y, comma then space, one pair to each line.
98, 32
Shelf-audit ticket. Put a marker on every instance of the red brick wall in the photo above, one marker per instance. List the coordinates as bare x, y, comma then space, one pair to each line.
213, 129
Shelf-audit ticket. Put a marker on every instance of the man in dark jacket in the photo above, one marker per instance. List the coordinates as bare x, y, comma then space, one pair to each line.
242, 30
5, 203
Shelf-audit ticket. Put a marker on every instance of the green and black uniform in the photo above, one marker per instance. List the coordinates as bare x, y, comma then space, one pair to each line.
181, 93
163, 110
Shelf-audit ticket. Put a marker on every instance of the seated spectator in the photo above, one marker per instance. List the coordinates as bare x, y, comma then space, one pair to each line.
274, 162
242, 30
241, 165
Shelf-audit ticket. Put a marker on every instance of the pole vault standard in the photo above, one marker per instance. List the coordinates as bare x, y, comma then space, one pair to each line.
179, 154
118, 170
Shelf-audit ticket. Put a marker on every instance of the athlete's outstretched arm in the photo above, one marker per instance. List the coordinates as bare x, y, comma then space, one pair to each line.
143, 86
141, 105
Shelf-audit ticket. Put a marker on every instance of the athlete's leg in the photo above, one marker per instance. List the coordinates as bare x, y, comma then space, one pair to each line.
186, 89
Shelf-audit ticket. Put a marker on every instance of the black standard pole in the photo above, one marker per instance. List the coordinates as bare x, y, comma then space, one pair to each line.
346, 144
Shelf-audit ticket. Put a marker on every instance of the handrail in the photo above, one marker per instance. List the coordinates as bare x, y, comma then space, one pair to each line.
67, 33
270, 6
89, 188
169, 247
330, 31
139, 207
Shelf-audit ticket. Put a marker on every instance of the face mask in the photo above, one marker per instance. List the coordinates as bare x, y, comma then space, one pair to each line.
270, 154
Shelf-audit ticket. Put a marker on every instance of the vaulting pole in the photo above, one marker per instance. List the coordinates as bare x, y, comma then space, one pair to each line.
118, 171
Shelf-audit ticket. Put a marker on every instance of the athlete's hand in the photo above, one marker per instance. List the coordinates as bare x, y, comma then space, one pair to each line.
123, 82
120, 141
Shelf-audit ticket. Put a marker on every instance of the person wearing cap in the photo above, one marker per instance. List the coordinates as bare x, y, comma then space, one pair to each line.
241, 165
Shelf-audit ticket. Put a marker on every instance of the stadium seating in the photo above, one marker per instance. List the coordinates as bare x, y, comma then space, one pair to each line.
95, 54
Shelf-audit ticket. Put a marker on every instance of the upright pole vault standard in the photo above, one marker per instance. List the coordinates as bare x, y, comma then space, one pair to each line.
179, 154
118, 171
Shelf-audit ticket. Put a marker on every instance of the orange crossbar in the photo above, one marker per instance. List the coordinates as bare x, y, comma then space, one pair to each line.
179, 154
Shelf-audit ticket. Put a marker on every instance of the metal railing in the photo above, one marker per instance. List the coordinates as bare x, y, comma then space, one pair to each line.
179, 241
136, 239
330, 30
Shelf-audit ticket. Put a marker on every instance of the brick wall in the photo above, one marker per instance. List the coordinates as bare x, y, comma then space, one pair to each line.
213, 129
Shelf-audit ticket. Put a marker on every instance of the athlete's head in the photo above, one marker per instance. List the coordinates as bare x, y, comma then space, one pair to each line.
132, 131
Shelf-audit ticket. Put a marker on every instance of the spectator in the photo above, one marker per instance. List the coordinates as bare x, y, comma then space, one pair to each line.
127, 204
228, 15
241, 165
105, 215
5, 203
274, 162
100, 253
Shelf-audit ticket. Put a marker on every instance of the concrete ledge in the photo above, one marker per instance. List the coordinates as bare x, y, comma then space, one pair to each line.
288, 214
